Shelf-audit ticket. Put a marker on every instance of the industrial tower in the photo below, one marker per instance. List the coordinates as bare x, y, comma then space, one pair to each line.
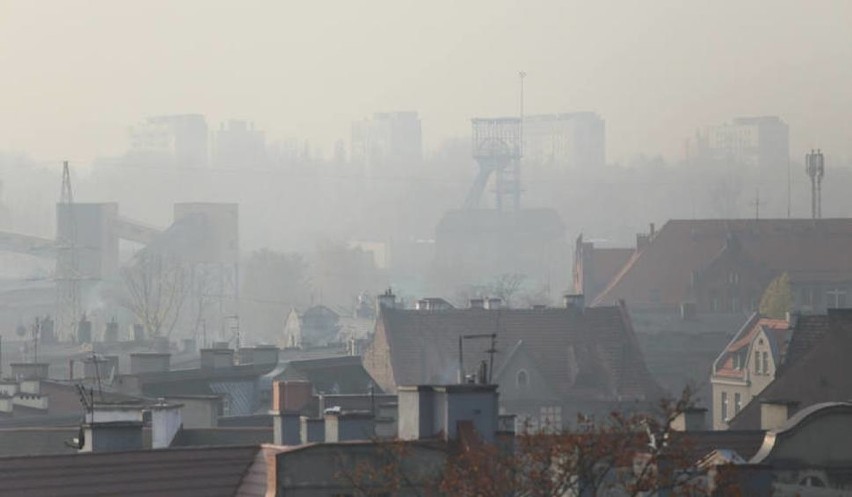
67, 273
815, 167
497, 150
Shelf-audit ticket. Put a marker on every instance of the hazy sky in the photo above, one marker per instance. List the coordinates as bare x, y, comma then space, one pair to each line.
75, 74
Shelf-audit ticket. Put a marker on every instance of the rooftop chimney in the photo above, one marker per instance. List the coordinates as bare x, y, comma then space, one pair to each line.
30, 370
344, 426
261, 355
216, 358
642, 241
165, 423
774, 413
112, 427
435, 411
691, 419
477, 303
493, 303
387, 299
575, 301
102, 367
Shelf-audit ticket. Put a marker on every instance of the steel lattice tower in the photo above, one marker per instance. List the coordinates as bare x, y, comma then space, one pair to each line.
67, 274
497, 150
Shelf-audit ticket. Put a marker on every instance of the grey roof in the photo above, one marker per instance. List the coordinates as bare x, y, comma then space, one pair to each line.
198, 437
185, 472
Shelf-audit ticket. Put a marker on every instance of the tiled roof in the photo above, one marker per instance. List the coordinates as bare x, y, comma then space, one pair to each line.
202, 472
820, 375
776, 330
805, 248
342, 374
219, 436
423, 347
746, 443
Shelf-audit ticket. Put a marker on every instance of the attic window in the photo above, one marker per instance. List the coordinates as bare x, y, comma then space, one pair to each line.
522, 378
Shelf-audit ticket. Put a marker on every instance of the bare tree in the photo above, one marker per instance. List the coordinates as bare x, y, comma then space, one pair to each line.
157, 287
618, 455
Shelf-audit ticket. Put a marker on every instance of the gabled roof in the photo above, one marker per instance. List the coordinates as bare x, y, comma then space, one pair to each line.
807, 249
777, 331
341, 374
821, 375
422, 348
187, 472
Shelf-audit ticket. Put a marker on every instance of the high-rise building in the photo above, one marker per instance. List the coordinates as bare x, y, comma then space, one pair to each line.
238, 144
564, 141
387, 140
180, 140
762, 142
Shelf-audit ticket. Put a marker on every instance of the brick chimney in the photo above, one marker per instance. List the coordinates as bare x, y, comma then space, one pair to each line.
288, 398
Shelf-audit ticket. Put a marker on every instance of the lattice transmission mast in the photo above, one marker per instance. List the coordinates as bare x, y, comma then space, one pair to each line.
67, 272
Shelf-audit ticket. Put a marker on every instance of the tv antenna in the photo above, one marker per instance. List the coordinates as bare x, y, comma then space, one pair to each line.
490, 351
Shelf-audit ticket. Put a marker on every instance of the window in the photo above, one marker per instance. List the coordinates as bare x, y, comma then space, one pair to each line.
757, 362
522, 379
766, 363
738, 403
724, 406
733, 278
551, 418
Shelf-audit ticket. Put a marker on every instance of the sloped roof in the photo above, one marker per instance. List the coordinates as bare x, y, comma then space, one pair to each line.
777, 332
423, 347
821, 375
807, 249
186, 472
341, 374
222, 436
607, 262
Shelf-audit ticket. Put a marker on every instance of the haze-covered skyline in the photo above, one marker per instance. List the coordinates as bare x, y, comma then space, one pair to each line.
77, 74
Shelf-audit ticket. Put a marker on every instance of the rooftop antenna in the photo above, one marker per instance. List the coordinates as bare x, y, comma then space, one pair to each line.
490, 351
815, 168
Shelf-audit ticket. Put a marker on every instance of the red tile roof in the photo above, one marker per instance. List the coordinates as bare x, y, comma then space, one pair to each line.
776, 330
822, 374
807, 249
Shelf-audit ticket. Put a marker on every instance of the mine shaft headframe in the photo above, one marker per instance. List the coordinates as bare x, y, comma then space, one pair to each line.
496, 139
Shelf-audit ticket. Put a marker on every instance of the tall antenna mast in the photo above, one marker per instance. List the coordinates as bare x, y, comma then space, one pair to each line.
67, 273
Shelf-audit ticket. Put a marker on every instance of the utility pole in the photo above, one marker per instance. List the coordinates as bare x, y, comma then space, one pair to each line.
756, 204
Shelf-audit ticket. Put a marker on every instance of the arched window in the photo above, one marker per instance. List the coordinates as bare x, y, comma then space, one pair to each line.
522, 378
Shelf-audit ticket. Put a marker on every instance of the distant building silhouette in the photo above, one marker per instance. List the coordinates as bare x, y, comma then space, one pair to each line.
564, 141
762, 142
387, 140
180, 140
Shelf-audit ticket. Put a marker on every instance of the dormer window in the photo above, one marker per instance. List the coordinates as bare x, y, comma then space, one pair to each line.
522, 379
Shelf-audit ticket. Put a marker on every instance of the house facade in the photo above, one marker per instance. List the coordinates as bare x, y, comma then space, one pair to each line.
747, 366
550, 363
